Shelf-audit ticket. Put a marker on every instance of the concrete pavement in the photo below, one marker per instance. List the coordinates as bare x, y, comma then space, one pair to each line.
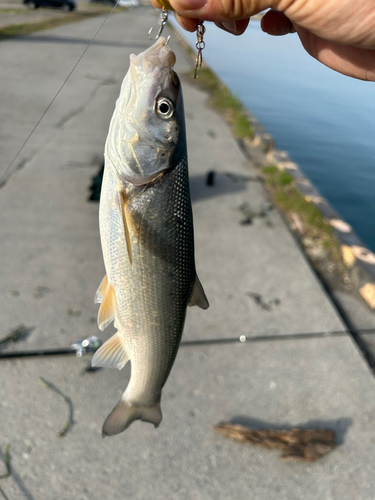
50, 268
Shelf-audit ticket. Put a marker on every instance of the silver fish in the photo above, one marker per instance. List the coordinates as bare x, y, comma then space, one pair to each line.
146, 230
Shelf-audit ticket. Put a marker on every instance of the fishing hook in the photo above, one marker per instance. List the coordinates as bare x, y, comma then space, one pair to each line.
200, 46
163, 22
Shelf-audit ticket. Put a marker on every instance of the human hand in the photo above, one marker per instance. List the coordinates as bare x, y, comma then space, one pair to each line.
338, 33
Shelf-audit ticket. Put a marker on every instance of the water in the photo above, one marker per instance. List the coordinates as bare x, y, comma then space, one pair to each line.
325, 121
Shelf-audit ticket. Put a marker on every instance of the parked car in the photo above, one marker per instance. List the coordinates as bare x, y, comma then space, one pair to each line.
65, 5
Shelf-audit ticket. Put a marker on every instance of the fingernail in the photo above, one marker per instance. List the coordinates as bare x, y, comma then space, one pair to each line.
230, 26
187, 5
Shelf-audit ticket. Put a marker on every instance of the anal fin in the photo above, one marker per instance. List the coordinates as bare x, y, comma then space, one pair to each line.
106, 312
121, 202
111, 354
198, 297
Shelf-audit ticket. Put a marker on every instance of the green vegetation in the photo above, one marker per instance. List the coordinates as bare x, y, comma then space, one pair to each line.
291, 202
289, 199
241, 126
276, 176
22, 29
226, 103
7, 10
27, 28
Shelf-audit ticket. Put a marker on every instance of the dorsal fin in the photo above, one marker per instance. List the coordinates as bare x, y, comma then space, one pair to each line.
101, 290
121, 202
111, 354
198, 297
106, 312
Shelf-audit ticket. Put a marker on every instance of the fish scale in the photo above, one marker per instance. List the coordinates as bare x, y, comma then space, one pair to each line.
162, 277
146, 229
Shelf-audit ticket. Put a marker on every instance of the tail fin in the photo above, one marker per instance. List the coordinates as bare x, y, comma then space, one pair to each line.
124, 414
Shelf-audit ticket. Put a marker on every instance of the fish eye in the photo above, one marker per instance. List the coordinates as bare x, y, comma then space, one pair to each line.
164, 108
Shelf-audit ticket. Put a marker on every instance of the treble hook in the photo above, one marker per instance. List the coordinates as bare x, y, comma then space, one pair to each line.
163, 22
201, 30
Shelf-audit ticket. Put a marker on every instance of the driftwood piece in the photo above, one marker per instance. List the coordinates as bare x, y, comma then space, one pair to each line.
305, 444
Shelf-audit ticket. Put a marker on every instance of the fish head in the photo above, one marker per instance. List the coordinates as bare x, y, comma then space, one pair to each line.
150, 129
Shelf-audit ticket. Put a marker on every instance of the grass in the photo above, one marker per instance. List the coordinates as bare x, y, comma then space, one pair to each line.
26, 28
7, 10
291, 202
21, 29
226, 103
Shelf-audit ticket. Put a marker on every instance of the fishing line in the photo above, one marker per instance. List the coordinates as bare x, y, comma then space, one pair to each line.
91, 344
272, 338
2, 181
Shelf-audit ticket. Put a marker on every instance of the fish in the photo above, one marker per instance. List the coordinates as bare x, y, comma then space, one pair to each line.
147, 236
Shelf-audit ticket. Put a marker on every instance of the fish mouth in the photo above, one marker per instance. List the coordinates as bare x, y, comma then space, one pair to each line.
159, 55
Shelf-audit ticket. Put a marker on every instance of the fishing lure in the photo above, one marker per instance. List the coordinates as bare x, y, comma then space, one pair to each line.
200, 44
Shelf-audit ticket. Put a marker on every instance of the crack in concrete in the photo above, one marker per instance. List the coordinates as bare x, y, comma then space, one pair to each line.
83, 107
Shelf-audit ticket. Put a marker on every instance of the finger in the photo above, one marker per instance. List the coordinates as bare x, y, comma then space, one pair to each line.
162, 4
348, 60
156, 4
186, 22
276, 23
221, 10
234, 27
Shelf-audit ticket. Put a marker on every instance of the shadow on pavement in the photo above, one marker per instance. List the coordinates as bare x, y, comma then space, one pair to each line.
212, 184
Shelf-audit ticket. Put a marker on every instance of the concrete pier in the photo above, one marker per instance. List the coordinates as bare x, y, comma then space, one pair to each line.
51, 265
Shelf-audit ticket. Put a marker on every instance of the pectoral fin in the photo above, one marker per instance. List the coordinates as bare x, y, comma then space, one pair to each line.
121, 201
101, 290
198, 297
111, 354
106, 312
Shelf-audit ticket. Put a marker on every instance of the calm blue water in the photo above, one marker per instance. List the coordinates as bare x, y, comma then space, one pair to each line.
324, 120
